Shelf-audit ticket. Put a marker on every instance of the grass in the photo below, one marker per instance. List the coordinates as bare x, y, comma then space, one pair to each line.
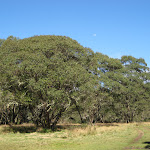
76, 137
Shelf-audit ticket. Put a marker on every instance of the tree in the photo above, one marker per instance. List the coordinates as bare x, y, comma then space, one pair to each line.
45, 72
45, 77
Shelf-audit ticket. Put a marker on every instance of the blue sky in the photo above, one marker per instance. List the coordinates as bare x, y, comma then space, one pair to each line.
112, 27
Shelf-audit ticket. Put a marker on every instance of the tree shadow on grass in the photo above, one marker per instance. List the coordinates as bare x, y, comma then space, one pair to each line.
69, 126
30, 128
19, 128
147, 146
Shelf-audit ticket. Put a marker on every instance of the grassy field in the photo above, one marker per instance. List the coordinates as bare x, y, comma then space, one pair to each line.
76, 137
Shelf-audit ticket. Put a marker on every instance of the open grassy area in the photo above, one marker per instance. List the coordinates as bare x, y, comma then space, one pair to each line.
76, 137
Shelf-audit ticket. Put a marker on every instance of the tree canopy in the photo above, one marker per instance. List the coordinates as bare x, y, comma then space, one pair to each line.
47, 78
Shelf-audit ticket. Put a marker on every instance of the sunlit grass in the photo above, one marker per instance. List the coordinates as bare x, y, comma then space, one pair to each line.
85, 137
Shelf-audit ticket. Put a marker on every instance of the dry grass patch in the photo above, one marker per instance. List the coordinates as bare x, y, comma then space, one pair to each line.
89, 130
96, 129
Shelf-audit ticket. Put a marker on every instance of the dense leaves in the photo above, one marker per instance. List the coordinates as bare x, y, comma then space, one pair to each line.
47, 78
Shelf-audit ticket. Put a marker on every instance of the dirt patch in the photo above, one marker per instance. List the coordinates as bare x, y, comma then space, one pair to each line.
140, 134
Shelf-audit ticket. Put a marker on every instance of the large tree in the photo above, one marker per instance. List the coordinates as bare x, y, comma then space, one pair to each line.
46, 73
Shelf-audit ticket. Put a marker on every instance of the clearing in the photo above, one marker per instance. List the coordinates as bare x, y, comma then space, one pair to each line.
116, 136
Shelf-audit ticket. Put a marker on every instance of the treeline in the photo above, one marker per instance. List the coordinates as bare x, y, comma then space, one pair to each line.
47, 78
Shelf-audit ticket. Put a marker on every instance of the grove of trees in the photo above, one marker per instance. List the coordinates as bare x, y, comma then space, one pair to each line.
45, 79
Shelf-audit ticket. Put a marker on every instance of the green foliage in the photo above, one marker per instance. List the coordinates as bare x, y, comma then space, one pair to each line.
45, 77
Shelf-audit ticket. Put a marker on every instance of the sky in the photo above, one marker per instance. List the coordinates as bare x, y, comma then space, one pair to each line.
111, 27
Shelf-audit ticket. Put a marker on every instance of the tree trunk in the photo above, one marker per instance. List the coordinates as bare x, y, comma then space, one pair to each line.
53, 126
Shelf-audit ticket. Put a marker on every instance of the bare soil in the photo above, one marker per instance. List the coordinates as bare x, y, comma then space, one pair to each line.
140, 134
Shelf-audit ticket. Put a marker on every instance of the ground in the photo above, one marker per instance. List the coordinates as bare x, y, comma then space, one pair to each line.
76, 137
